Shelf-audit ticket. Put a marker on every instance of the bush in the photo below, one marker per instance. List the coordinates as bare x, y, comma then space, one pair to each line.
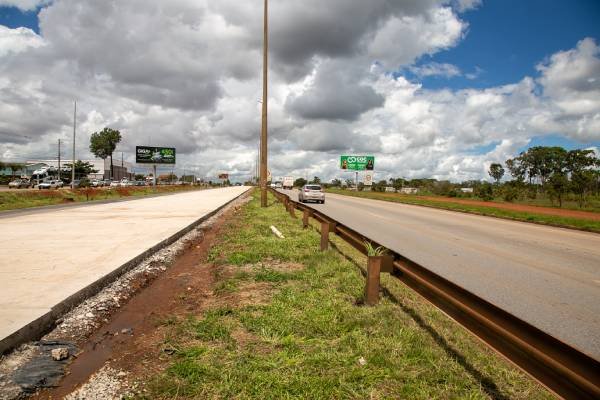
485, 191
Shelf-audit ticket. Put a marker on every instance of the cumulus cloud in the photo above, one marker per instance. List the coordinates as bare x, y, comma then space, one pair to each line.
24, 5
435, 69
187, 73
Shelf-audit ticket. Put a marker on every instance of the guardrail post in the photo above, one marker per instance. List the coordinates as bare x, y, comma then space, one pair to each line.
326, 228
306, 215
375, 266
291, 209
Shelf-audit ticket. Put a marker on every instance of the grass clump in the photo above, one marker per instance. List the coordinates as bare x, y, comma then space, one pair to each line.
310, 340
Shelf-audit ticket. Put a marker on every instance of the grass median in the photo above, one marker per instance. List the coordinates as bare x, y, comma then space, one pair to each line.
16, 199
491, 210
286, 321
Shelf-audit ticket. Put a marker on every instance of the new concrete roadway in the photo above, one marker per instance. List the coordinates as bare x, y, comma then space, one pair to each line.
549, 277
48, 255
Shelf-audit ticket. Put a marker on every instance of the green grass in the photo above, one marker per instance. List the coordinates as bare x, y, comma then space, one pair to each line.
19, 199
565, 222
305, 341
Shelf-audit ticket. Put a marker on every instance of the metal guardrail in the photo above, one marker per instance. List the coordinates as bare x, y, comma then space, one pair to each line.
564, 370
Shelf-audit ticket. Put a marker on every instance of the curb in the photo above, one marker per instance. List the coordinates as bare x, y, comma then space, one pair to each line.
44, 324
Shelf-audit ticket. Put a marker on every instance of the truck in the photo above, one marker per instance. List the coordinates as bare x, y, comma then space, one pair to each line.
288, 182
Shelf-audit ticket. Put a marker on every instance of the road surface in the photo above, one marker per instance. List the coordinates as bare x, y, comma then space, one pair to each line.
547, 276
48, 255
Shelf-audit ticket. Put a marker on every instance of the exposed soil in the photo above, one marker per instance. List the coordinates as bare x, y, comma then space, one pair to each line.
558, 212
133, 338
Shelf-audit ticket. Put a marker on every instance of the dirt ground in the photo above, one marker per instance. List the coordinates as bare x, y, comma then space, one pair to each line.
559, 212
133, 339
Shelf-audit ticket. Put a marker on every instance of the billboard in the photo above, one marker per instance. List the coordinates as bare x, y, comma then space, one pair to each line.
154, 155
357, 163
224, 176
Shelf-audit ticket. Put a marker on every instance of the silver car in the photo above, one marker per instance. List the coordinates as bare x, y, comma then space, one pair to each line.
311, 192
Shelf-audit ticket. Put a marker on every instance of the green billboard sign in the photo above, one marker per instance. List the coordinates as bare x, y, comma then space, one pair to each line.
154, 155
357, 163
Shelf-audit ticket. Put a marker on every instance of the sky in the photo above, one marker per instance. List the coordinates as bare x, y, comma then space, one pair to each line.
431, 88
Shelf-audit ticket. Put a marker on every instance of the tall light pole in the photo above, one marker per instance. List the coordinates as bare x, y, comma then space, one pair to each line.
265, 100
74, 128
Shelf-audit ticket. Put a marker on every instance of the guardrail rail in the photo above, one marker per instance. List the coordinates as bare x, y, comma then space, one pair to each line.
564, 370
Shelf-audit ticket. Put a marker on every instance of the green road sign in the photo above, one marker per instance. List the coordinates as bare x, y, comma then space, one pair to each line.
154, 155
357, 163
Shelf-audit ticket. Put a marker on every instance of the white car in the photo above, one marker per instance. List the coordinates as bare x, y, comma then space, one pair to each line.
50, 185
115, 184
311, 192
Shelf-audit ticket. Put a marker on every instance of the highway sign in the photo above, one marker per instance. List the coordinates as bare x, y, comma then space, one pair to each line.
154, 155
357, 163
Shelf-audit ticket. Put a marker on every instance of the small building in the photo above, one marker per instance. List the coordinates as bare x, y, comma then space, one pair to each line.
466, 190
390, 189
409, 190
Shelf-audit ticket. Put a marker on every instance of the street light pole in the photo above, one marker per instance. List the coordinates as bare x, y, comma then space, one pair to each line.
265, 100
73, 164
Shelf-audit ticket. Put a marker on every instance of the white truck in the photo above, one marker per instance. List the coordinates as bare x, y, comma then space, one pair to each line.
288, 182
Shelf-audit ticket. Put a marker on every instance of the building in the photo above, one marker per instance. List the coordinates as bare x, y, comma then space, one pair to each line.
466, 190
409, 190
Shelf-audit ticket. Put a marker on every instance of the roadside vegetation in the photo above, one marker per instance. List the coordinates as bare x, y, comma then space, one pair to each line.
18, 199
288, 322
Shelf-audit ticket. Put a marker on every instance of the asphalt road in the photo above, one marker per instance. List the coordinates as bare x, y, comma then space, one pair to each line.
547, 276
50, 254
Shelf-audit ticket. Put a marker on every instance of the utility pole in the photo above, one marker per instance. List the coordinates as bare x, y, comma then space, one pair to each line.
122, 168
59, 159
73, 164
265, 100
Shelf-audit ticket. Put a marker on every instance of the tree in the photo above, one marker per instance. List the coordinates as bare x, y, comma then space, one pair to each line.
349, 183
580, 164
336, 183
316, 180
496, 172
82, 169
559, 184
397, 183
104, 143
300, 182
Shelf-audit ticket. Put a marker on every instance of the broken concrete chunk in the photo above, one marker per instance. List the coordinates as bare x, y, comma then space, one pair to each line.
61, 353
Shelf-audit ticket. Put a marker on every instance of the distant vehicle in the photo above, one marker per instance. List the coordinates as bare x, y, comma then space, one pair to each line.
97, 183
19, 183
115, 184
276, 185
288, 182
140, 183
81, 183
311, 193
106, 182
126, 182
52, 184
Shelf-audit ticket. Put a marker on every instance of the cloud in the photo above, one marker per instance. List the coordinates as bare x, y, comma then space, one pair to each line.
334, 96
187, 73
24, 5
436, 69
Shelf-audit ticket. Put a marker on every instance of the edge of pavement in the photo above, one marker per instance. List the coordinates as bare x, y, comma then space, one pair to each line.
33, 210
40, 326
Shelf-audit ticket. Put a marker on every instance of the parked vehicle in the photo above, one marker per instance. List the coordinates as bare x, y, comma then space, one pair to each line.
81, 183
51, 184
19, 183
106, 182
311, 193
96, 183
140, 183
115, 184
288, 182
126, 182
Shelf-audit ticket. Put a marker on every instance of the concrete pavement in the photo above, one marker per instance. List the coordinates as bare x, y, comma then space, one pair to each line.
547, 276
49, 255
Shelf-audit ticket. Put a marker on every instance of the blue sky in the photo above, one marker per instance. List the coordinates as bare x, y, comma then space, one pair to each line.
14, 18
508, 38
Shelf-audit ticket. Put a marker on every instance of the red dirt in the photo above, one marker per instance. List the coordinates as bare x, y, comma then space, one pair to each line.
186, 288
559, 212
